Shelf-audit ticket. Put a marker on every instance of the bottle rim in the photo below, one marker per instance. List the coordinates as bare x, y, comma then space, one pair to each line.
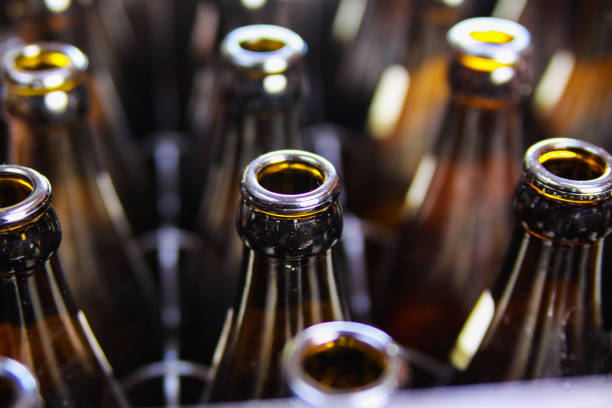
291, 47
310, 390
22, 383
63, 71
279, 204
30, 208
508, 52
566, 189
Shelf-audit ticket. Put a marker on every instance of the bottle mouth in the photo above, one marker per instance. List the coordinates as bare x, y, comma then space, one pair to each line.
342, 360
40, 68
488, 43
25, 194
290, 183
269, 48
18, 387
569, 170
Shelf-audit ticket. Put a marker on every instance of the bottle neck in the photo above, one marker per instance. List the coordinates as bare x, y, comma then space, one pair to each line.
280, 297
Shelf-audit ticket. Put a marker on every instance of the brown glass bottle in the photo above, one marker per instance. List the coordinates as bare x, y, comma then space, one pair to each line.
41, 326
289, 220
343, 363
102, 31
572, 99
406, 111
257, 110
458, 220
543, 316
46, 107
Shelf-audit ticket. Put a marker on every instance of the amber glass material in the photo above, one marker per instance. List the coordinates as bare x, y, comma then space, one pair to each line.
543, 316
573, 96
343, 363
46, 103
257, 110
102, 31
458, 220
289, 220
407, 109
41, 325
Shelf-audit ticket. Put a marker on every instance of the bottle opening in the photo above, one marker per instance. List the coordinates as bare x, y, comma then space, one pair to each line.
290, 183
353, 361
290, 178
24, 195
569, 170
345, 363
269, 49
41, 61
574, 164
8, 395
13, 190
492, 37
262, 45
39, 68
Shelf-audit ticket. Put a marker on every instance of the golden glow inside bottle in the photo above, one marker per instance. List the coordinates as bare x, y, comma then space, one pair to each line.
256, 110
41, 326
289, 220
457, 217
343, 364
46, 104
543, 316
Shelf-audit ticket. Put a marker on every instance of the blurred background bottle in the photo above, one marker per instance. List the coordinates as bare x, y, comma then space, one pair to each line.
257, 108
543, 316
41, 325
457, 218
46, 104
103, 31
289, 220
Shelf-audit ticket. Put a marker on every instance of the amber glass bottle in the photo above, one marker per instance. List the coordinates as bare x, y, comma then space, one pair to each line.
257, 110
343, 364
103, 32
41, 325
407, 110
573, 97
542, 317
458, 219
46, 103
289, 220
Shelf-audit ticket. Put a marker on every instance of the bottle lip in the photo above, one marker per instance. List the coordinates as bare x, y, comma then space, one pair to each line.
22, 382
279, 204
565, 189
69, 63
270, 62
308, 389
461, 38
37, 201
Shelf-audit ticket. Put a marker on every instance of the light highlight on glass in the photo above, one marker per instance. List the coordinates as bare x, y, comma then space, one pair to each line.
473, 331
56, 101
348, 19
388, 101
274, 84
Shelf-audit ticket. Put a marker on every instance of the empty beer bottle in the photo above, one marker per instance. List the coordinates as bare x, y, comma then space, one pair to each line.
256, 110
543, 316
343, 363
46, 108
458, 220
102, 31
41, 326
289, 220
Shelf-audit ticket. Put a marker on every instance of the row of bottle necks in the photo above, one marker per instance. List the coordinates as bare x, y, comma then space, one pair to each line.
454, 193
